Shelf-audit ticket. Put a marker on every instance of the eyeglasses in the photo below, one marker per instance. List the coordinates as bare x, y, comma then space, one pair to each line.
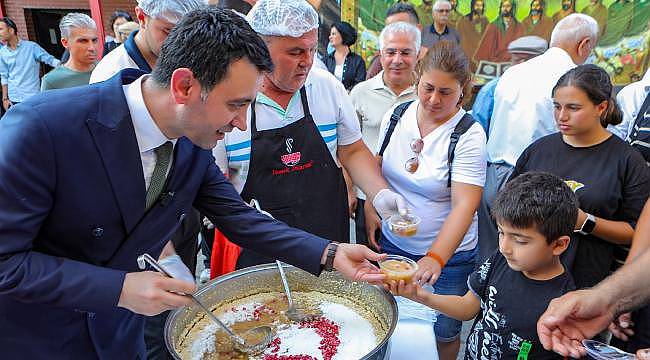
413, 163
442, 10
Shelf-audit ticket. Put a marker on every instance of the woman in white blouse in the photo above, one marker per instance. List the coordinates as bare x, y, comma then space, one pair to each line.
415, 164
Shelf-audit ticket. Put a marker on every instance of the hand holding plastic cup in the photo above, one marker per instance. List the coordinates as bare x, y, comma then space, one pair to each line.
404, 225
398, 268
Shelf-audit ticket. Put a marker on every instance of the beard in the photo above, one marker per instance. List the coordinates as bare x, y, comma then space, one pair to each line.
506, 13
536, 12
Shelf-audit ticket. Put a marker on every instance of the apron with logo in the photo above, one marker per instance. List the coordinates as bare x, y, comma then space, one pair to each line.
294, 177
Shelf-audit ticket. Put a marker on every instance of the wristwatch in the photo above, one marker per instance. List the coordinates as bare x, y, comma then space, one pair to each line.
588, 226
331, 252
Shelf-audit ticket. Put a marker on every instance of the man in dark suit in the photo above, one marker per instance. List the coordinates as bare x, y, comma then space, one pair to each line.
94, 176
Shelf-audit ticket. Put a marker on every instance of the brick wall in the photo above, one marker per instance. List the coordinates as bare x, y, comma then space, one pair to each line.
15, 9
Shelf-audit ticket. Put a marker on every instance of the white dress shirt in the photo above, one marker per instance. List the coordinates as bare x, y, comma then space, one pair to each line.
630, 99
523, 106
147, 133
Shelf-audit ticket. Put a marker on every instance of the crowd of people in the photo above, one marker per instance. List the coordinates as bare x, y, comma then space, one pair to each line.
533, 189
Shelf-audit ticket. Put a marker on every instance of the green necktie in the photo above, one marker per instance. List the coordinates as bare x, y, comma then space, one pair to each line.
163, 156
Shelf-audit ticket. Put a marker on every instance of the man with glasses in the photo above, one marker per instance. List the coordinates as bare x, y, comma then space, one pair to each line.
440, 29
399, 45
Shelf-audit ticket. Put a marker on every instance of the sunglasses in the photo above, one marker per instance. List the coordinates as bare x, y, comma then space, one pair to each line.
413, 163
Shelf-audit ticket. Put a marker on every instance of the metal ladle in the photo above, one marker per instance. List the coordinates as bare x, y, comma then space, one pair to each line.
261, 336
294, 313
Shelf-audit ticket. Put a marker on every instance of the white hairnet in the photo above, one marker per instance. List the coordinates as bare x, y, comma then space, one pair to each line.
283, 17
170, 10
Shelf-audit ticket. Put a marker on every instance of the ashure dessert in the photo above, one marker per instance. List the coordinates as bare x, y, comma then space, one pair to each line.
345, 331
404, 225
398, 268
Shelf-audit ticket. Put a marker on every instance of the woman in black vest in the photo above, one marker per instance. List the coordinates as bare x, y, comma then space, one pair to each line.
347, 66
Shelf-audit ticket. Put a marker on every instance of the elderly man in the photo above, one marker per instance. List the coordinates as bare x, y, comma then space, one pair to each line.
70, 287
19, 65
79, 36
398, 12
523, 109
440, 29
537, 23
141, 49
522, 49
301, 123
399, 46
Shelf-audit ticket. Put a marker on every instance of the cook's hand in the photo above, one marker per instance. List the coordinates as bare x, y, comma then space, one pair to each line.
353, 261
373, 223
6, 103
176, 268
622, 327
150, 293
408, 290
428, 271
388, 202
572, 318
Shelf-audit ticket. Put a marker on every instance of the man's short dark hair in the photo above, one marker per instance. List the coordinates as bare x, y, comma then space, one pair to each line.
540, 200
10, 23
406, 8
207, 41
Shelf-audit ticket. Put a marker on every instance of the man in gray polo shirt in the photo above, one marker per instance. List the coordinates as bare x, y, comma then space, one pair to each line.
440, 29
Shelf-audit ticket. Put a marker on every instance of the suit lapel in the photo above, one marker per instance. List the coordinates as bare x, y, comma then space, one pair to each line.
114, 136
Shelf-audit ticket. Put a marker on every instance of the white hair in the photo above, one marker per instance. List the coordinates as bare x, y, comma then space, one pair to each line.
441, 2
169, 10
573, 29
76, 21
401, 27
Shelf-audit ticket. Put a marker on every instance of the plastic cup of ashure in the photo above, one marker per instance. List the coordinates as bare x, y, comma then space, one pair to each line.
397, 267
404, 225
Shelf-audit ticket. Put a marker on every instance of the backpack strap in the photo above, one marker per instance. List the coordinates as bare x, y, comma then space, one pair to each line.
394, 118
463, 125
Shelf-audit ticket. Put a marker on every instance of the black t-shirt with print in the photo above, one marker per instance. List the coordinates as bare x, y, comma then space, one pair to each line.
611, 181
511, 304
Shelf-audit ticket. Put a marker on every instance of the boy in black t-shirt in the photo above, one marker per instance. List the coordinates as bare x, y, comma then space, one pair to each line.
535, 214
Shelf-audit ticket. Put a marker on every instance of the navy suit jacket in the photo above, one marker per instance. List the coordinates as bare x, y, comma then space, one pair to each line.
73, 222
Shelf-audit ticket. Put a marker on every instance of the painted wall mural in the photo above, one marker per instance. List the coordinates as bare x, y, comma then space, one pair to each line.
487, 26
